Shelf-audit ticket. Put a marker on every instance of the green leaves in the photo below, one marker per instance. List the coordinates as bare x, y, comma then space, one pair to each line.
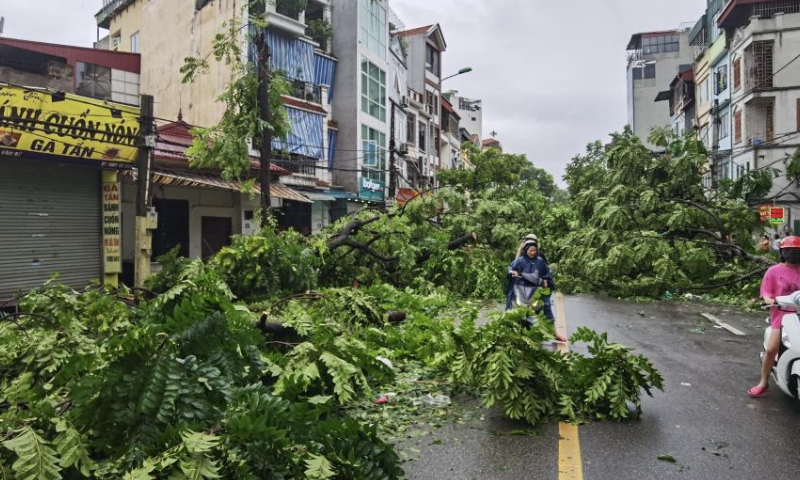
36, 459
319, 468
72, 447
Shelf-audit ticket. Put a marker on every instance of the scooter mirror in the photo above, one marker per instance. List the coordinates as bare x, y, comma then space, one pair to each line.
789, 301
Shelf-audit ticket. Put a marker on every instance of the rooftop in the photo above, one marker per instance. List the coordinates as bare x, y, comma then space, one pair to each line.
636, 39
128, 62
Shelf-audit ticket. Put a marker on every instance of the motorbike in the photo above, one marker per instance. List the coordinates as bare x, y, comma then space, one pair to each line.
786, 371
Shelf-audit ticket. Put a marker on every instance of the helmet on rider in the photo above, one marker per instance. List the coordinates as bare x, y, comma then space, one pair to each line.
790, 250
790, 242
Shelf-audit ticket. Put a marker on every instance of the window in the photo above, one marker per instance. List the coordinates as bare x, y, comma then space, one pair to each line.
422, 135
798, 114
701, 92
373, 27
93, 81
758, 58
770, 114
374, 145
135, 43
650, 70
411, 124
373, 90
661, 44
737, 74
432, 63
724, 126
721, 80
116, 39
737, 126
715, 32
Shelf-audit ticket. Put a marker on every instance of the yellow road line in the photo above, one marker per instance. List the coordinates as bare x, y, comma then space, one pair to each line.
570, 465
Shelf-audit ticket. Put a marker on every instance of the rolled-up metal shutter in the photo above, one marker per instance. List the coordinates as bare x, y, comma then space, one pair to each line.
49, 222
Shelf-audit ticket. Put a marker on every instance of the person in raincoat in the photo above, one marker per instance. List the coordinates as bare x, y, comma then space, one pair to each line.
510, 293
529, 272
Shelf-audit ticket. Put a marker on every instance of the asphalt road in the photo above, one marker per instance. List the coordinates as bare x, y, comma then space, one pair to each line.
704, 419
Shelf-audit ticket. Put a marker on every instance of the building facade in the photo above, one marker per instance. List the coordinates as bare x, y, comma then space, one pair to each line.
681, 97
300, 45
654, 59
60, 155
425, 48
765, 92
361, 44
470, 111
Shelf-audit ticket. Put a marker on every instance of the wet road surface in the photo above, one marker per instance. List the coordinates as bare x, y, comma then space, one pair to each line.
704, 419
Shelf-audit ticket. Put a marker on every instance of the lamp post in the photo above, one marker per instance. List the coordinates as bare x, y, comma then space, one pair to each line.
460, 72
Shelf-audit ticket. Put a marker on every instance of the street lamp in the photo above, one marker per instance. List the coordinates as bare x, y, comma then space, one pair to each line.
460, 72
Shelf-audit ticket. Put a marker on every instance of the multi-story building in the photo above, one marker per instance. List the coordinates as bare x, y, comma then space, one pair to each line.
681, 97
470, 112
398, 113
298, 35
712, 96
425, 48
59, 199
450, 147
361, 44
654, 59
765, 92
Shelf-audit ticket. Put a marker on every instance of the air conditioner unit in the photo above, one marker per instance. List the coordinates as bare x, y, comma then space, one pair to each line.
403, 102
403, 149
309, 93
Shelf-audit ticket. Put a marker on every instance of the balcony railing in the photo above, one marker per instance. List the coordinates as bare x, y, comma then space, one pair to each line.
289, 8
110, 8
305, 90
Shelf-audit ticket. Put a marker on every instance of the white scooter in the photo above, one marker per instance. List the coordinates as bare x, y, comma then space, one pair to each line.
786, 371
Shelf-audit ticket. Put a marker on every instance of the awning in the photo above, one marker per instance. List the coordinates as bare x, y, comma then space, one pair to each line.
665, 95
199, 179
282, 191
305, 135
191, 179
319, 197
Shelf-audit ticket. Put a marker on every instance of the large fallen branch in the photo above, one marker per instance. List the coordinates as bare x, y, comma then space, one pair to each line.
459, 242
728, 283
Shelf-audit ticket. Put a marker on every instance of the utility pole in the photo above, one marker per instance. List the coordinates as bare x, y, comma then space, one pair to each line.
266, 133
144, 159
392, 160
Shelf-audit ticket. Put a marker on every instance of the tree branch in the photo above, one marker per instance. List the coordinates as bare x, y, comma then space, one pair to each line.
722, 230
730, 282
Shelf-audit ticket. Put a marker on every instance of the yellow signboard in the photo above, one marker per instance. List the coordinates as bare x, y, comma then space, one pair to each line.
112, 229
36, 122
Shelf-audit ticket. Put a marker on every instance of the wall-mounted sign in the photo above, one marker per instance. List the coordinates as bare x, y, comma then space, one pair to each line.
112, 229
777, 215
772, 215
38, 122
372, 190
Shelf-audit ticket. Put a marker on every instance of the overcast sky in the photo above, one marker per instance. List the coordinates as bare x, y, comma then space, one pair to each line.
551, 73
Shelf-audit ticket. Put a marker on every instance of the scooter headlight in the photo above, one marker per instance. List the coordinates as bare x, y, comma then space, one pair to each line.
785, 339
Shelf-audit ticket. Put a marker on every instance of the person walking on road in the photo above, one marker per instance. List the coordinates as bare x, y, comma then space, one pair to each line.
765, 246
781, 279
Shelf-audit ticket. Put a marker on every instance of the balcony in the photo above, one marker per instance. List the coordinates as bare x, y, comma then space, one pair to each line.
288, 16
110, 9
304, 90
